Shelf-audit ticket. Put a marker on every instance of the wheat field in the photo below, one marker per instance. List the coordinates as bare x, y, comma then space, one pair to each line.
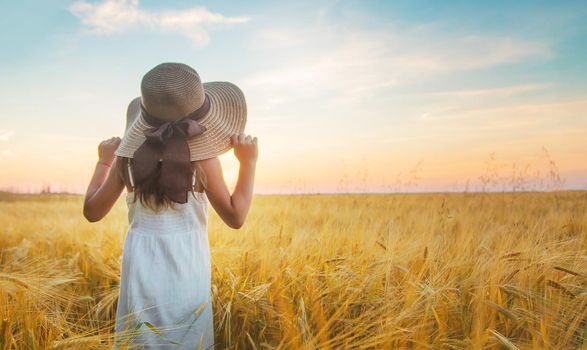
416, 271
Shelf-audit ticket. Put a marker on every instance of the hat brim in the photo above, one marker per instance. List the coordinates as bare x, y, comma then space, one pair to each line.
227, 116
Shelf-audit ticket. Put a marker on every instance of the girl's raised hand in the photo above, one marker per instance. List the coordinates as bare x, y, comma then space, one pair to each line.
245, 147
232, 208
107, 148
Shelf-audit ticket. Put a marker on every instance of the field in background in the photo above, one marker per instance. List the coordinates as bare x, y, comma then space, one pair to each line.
450, 271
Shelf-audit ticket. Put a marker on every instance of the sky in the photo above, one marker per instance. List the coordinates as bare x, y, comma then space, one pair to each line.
344, 96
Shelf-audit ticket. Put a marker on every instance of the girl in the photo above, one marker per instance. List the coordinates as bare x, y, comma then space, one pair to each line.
167, 160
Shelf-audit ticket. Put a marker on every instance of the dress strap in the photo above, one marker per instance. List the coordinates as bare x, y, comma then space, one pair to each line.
130, 177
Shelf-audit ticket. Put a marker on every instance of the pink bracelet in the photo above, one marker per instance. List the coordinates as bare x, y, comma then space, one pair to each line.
108, 165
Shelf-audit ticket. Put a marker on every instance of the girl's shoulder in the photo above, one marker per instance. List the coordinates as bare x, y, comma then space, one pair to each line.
204, 169
207, 167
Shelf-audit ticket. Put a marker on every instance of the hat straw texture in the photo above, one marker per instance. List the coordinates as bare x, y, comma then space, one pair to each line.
176, 91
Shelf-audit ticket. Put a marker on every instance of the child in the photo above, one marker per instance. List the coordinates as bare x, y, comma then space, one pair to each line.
167, 160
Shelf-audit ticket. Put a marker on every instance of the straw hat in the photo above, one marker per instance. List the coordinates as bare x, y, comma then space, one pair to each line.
172, 91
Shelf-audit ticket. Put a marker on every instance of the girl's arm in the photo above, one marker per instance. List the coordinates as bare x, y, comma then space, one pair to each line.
105, 186
233, 208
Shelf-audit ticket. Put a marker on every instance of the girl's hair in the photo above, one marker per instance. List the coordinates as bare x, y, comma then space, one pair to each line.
149, 192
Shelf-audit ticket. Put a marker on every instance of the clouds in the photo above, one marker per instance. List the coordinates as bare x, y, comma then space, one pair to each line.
351, 63
571, 110
117, 16
5, 134
499, 92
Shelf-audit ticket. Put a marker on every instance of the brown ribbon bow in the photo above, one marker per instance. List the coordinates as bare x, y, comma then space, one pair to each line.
167, 141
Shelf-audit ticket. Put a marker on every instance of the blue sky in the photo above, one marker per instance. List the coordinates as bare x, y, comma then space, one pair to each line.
343, 95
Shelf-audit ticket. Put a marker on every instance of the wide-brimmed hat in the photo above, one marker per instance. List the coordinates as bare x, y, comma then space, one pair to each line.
173, 91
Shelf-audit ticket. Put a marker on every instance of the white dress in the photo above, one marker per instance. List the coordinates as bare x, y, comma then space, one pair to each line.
165, 278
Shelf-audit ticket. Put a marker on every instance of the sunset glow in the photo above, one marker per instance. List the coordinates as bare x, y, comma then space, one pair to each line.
344, 96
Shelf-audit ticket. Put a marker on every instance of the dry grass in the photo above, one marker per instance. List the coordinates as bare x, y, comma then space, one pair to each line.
444, 271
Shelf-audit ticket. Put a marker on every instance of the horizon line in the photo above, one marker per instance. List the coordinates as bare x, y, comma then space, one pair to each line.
489, 191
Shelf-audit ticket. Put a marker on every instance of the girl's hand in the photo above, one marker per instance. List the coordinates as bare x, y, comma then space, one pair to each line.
107, 148
245, 147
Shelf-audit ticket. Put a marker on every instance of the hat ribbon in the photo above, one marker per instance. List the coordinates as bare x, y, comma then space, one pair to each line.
167, 142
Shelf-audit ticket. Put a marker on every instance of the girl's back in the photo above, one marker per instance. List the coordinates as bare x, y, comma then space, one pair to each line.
166, 274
